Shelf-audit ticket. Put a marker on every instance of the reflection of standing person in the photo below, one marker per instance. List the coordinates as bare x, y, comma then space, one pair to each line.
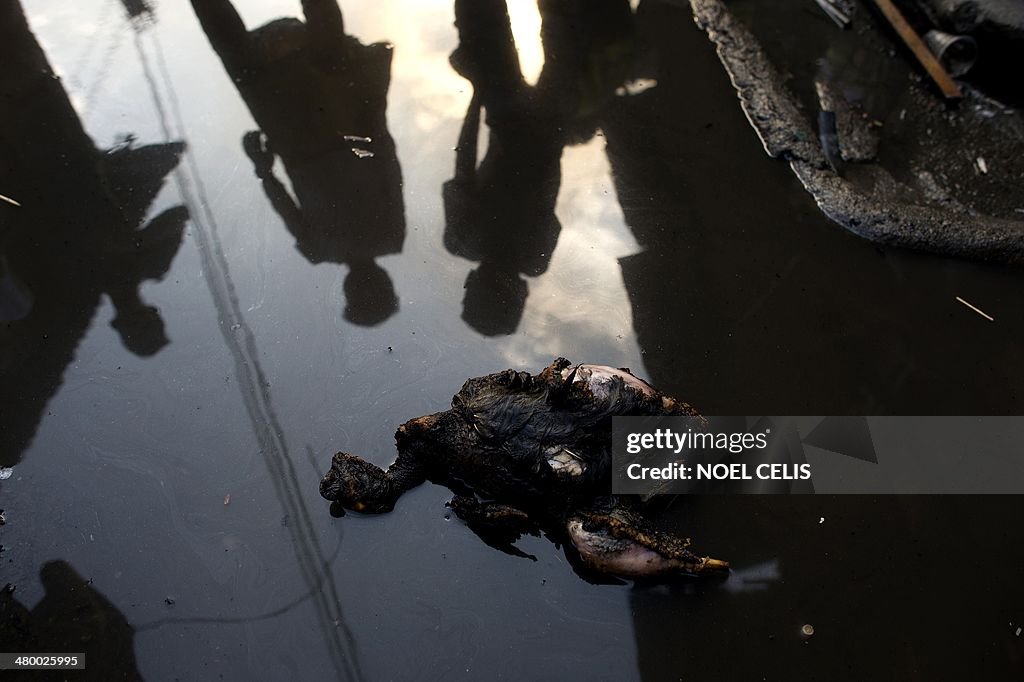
319, 98
502, 212
71, 617
75, 232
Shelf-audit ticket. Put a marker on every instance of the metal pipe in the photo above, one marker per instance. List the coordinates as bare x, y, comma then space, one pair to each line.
956, 53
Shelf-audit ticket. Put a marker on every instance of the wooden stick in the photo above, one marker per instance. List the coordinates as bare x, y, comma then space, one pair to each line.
938, 74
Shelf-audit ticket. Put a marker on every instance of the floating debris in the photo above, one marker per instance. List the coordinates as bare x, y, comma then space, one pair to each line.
9, 200
982, 166
977, 310
362, 153
6, 472
821, 520
3, 519
227, 499
169, 600
358, 138
807, 630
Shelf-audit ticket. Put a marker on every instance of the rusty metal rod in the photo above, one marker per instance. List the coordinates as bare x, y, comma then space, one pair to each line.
909, 36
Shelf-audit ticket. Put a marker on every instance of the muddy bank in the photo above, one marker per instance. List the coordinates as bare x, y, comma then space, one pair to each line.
935, 177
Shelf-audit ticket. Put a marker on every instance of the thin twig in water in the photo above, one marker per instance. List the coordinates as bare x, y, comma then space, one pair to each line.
9, 200
980, 312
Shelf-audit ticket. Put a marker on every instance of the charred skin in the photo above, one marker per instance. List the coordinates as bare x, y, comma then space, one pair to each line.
509, 435
539, 443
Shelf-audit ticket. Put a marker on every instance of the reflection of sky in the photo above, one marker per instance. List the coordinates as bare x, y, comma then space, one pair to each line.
525, 21
581, 296
580, 302
578, 309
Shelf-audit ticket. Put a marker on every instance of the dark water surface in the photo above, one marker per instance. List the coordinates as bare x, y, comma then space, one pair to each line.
168, 459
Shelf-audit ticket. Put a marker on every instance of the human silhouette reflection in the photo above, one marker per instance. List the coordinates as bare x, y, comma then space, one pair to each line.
72, 617
501, 213
319, 98
72, 236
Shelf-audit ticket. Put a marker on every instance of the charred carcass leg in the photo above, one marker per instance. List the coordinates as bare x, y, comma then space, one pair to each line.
364, 487
498, 525
618, 542
609, 539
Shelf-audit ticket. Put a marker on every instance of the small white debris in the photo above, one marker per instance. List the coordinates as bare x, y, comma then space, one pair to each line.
635, 87
1018, 632
9, 200
807, 630
227, 499
362, 153
821, 520
6, 472
358, 138
977, 310
982, 166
